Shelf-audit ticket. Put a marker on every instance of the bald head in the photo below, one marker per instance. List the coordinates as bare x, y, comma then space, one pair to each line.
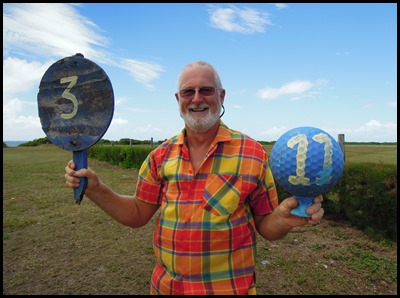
197, 65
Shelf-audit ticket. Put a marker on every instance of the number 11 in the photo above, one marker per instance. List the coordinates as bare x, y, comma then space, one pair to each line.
301, 140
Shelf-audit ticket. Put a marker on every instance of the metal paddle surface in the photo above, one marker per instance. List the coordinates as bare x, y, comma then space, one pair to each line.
76, 106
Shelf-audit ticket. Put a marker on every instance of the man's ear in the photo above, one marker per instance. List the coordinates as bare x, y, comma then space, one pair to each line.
222, 96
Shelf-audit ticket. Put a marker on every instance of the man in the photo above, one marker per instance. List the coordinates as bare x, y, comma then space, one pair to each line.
214, 190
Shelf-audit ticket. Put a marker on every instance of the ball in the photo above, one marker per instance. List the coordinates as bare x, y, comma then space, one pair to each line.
306, 161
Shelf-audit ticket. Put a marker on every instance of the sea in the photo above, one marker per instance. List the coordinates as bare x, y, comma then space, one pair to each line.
14, 143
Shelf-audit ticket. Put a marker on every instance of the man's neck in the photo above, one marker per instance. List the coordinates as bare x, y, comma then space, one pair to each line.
198, 140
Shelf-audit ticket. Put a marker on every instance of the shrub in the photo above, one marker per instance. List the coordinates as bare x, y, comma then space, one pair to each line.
368, 197
36, 142
124, 156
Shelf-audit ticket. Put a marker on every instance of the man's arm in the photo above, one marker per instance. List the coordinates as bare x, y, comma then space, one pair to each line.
277, 224
127, 210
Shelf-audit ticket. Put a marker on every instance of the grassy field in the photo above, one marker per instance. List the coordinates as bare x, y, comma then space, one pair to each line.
53, 246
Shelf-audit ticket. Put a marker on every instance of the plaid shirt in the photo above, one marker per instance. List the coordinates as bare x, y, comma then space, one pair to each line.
205, 235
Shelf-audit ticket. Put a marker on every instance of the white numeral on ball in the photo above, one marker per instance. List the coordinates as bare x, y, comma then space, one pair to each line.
301, 156
323, 138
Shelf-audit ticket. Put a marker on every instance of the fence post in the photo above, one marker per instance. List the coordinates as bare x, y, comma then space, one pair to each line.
341, 144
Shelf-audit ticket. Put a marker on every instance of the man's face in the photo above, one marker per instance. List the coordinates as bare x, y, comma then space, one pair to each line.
199, 99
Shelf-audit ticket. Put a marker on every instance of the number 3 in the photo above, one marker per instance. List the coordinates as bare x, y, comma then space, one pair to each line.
66, 94
302, 148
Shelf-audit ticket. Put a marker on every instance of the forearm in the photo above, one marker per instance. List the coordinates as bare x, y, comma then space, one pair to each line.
279, 222
272, 227
121, 208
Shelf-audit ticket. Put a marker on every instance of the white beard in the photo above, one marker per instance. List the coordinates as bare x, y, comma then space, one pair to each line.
201, 123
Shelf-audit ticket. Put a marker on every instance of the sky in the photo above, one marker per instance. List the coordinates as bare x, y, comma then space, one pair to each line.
330, 66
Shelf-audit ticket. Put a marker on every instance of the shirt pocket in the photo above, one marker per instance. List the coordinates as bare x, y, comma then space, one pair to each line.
221, 194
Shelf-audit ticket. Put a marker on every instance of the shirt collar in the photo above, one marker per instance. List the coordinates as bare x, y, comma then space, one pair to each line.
223, 134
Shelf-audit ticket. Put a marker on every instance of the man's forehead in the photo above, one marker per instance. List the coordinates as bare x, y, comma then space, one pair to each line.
196, 74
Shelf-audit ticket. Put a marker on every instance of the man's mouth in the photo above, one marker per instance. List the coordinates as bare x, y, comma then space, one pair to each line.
198, 109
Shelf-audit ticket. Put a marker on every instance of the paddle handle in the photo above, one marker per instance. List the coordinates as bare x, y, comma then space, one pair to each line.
303, 204
81, 160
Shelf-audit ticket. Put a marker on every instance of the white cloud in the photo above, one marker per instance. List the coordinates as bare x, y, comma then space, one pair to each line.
20, 76
274, 133
234, 19
147, 129
54, 29
119, 121
295, 87
376, 131
17, 126
142, 71
280, 5
11, 108
342, 53
376, 124
36, 35
119, 101
59, 30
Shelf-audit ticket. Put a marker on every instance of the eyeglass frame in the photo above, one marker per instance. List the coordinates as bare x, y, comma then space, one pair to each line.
198, 90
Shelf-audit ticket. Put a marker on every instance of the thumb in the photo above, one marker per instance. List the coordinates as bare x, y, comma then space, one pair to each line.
83, 172
287, 205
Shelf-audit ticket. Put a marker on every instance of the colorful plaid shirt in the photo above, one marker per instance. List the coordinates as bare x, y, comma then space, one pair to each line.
205, 235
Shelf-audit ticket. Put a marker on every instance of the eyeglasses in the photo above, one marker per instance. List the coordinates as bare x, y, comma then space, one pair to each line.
190, 92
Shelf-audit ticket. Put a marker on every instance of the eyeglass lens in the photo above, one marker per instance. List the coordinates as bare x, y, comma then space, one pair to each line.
189, 92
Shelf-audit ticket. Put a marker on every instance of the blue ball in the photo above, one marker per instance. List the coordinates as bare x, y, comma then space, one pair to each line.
306, 161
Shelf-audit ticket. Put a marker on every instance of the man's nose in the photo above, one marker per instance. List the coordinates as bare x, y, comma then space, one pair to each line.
197, 98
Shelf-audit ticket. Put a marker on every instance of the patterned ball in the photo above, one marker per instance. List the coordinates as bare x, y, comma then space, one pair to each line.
306, 161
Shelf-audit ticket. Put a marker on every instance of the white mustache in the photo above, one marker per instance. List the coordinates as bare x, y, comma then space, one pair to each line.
198, 107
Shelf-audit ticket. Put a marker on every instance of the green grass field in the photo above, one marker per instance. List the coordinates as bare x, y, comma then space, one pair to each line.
371, 153
53, 246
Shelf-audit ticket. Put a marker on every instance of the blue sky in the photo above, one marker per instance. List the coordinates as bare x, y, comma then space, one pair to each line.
330, 66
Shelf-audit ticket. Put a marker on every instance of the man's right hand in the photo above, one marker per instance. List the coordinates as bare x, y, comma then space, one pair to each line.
72, 177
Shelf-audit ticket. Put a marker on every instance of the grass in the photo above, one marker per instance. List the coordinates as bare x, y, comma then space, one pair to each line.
53, 246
